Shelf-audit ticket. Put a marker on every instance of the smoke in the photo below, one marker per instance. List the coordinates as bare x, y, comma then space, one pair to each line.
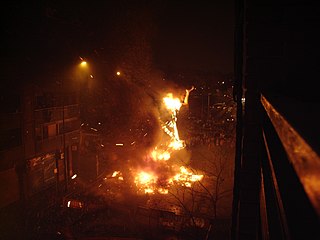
134, 114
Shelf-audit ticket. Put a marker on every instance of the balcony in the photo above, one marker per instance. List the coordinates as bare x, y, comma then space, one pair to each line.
290, 170
52, 143
54, 114
277, 167
278, 171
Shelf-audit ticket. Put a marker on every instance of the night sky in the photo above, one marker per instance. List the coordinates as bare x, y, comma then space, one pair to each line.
183, 35
197, 35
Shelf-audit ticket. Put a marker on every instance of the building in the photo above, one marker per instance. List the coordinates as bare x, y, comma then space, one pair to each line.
39, 150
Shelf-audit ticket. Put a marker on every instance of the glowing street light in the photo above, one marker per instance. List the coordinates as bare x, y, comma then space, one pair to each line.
83, 63
81, 71
118, 73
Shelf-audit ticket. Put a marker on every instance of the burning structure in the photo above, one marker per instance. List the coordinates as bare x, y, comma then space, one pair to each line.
156, 173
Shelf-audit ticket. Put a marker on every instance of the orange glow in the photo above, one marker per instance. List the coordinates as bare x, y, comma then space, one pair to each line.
83, 63
172, 104
115, 173
186, 177
160, 155
147, 180
185, 100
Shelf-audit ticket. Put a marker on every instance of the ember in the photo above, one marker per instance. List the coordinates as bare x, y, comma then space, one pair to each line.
148, 180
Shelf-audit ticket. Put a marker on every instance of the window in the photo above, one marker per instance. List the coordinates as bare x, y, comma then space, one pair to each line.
48, 131
69, 126
52, 130
38, 133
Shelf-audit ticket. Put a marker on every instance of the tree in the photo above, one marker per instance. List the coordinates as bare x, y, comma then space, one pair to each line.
200, 206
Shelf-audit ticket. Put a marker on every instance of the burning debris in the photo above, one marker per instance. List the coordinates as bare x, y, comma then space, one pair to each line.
157, 175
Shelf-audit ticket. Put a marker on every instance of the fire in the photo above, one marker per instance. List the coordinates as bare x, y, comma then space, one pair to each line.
147, 181
157, 154
186, 177
117, 174
145, 178
173, 105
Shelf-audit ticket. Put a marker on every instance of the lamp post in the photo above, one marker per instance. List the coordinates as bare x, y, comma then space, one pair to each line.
83, 71
65, 154
62, 130
65, 160
61, 155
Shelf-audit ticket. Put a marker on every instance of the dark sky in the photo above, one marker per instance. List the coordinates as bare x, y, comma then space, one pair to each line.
190, 35
197, 35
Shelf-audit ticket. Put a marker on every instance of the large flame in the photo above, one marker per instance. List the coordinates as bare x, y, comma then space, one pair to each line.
148, 181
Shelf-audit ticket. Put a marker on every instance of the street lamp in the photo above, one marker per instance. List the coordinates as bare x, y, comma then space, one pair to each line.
84, 78
65, 161
83, 63
84, 67
61, 155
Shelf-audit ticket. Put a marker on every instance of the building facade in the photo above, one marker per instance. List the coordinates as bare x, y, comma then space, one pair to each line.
40, 135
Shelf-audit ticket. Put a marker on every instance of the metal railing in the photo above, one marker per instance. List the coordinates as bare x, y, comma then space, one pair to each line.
290, 174
288, 196
54, 114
